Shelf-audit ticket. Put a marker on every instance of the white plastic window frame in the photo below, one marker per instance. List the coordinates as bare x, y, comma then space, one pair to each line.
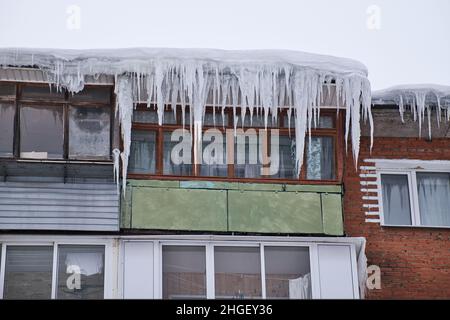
210, 270
108, 272
409, 168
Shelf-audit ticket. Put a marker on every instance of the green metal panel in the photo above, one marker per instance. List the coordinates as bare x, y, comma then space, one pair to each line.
209, 185
179, 209
314, 188
332, 214
154, 183
274, 212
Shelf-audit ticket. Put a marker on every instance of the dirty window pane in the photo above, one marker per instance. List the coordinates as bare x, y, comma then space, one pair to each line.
7, 129
7, 91
42, 93
214, 154
288, 274
90, 94
80, 272
171, 168
211, 119
320, 158
89, 132
41, 132
247, 155
184, 272
237, 272
28, 272
396, 201
142, 154
257, 121
151, 116
286, 151
325, 122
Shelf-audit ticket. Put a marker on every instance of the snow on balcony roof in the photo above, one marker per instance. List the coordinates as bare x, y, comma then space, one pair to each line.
419, 98
255, 79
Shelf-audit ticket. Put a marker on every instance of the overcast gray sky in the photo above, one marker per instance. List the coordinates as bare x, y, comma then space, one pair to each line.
400, 41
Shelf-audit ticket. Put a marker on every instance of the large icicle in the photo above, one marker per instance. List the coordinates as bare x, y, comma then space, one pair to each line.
258, 81
420, 98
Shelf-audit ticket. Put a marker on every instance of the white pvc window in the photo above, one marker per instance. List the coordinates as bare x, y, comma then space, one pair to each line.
415, 197
52, 270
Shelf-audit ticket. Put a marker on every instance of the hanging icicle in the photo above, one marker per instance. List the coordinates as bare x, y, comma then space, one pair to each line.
259, 82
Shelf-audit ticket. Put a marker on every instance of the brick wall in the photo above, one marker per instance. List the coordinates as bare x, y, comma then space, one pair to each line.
414, 262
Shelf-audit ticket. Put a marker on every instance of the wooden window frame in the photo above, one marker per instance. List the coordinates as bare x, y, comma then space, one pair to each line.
65, 104
336, 133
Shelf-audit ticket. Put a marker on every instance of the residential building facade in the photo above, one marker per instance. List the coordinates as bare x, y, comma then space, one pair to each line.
222, 227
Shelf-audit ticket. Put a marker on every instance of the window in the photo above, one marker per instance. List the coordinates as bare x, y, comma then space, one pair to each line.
41, 132
52, 124
7, 111
142, 158
184, 272
89, 132
250, 160
237, 280
320, 158
415, 197
30, 271
80, 272
288, 274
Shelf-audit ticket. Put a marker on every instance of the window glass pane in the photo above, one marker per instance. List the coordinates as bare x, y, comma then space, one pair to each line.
257, 121
247, 159
288, 274
434, 198
320, 158
151, 116
184, 272
142, 153
214, 162
80, 272
89, 132
237, 272
171, 168
42, 93
7, 112
41, 132
325, 122
7, 91
216, 119
396, 204
92, 94
28, 272
286, 151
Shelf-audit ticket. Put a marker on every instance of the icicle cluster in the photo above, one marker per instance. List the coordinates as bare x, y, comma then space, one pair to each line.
420, 99
254, 81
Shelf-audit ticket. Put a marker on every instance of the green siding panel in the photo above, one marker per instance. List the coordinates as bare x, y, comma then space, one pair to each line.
154, 183
274, 212
125, 208
332, 214
314, 188
179, 209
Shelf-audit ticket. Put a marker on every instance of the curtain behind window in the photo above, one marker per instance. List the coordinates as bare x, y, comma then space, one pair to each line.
142, 155
320, 158
434, 198
396, 204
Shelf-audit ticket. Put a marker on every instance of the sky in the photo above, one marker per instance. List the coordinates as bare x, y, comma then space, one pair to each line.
400, 41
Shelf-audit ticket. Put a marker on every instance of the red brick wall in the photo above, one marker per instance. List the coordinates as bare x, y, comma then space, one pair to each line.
414, 262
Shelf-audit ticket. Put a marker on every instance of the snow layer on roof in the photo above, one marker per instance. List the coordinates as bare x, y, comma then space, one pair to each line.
419, 98
261, 80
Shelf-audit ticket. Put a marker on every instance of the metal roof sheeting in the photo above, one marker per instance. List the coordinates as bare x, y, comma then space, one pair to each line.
39, 76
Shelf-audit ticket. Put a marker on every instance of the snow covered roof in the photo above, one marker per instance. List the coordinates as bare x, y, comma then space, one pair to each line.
419, 98
432, 93
255, 79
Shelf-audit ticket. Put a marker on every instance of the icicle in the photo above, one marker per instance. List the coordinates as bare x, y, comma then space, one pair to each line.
116, 169
251, 79
124, 108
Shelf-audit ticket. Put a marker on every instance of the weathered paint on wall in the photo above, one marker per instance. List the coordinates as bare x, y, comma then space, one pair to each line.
228, 207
